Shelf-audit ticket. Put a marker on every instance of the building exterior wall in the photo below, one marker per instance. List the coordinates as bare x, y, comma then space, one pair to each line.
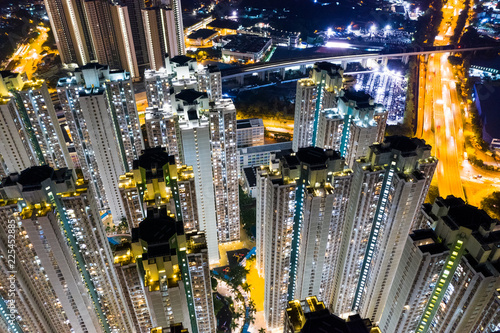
122, 24
64, 232
104, 38
15, 147
225, 170
196, 152
387, 191
108, 159
330, 129
37, 103
305, 113
99, 106
276, 232
202, 290
416, 273
69, 24
252, 135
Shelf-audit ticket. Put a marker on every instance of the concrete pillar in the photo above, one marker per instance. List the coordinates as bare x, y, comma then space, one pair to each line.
344, 64
241, 79
283, 73
405, 59
383, 61
364, 63
262, 76
303, 69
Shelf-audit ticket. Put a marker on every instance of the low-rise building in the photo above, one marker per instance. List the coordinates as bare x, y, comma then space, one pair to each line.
286, 38
245, 48
202, 37
249, 176
261, 155
249, 132
224, 27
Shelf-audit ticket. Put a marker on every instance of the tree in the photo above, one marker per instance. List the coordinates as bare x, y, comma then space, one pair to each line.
454, 60
218, 305
214, 283
123, 226
491, 204
237, 315
247, 211
233, 325
201, 55
246, 287
432, 194
461, 21
237, 273
262, 330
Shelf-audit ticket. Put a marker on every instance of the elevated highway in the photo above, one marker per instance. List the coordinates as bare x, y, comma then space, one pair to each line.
264, 69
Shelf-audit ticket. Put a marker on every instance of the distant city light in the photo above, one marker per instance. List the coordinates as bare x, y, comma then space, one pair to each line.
338, 45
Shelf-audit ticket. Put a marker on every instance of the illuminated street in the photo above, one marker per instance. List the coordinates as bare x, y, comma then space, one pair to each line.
439, 109
27, 56
250, 166
451, 10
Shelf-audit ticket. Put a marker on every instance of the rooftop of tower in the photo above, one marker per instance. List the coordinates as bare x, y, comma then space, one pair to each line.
454, 218
92, 91
92, 65
404, 144
157, 230
190, 95
154, 158
426, 240
310, 315
181, 59
327, 66
315, 157
359, 96
248, 123
31, 179
7, 73
212, 68
324, 321
461, 214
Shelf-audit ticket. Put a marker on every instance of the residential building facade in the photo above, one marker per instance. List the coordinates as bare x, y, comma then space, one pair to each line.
61, 248
388, 188
101, 114
175, 272
453, 273
31, 134
301, 200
